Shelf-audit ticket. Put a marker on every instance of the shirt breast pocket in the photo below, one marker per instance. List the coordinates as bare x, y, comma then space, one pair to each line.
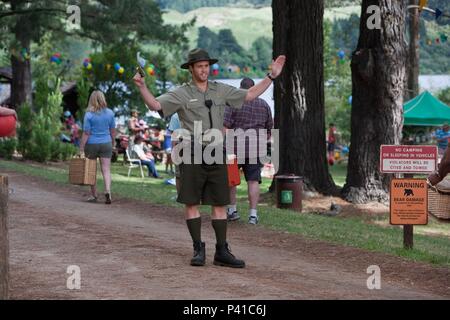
193, 105
221, 105
196, 109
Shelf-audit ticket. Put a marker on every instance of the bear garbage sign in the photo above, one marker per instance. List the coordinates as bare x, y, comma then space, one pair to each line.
409, 202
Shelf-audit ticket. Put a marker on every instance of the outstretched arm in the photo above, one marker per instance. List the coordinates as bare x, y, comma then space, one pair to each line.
149, 99
257, 90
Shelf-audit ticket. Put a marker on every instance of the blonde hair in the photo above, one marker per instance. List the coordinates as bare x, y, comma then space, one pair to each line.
97, 101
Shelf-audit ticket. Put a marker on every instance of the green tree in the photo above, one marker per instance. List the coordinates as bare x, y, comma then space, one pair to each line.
209, 41
444, 96
184, 5
261, 53
345, 33
338, 86
228, 42
120, 92
104, 22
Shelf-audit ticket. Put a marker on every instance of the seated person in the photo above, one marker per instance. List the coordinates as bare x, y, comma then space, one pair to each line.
146, 158
75, 134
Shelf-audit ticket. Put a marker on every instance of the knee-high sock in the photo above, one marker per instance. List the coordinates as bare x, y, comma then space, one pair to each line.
195, 228
220, 227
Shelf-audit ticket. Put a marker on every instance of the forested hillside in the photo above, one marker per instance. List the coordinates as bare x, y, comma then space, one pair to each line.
242, 36
188, 5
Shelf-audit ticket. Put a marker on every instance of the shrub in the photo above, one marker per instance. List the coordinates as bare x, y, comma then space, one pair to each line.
7, 147
25, 130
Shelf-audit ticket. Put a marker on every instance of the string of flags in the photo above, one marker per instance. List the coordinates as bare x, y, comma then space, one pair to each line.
423, 7
438, 13
440, 40
340, 57
215, 69
422, 4
151, 69
56, 58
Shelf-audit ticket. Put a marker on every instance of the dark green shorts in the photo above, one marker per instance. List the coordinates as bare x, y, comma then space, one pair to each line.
101, 150
204, 184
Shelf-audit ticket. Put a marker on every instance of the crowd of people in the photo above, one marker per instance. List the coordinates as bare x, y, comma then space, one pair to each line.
156, 142
218, 106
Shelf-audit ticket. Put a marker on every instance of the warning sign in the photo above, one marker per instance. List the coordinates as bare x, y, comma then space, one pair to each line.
409, 202
408, 159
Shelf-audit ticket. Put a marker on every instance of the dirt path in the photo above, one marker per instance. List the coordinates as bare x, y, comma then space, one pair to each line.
133, 250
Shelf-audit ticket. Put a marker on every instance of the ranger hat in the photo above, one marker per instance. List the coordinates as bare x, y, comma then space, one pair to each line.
198, 55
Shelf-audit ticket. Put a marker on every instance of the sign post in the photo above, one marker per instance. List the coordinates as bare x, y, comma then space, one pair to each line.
409, 197
408, 229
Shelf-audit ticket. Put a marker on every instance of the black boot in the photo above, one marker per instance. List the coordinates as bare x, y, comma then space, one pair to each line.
199, 254
225, 258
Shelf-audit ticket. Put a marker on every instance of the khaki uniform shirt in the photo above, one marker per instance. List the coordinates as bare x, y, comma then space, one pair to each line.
189, 102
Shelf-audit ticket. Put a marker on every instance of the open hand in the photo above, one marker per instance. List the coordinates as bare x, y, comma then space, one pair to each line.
139, 80
277, 66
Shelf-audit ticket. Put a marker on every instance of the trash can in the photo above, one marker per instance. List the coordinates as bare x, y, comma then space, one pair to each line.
289, 192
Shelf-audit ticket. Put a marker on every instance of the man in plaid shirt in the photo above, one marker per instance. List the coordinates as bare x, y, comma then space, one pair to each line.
256, 115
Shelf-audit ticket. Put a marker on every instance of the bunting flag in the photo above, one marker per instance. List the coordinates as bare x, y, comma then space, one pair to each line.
438, 13
423, 7
422, 4
119, 69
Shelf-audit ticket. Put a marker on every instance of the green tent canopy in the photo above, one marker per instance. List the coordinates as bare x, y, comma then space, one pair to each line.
426, 110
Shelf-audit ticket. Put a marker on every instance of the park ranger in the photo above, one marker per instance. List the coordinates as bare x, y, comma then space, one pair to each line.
207, 184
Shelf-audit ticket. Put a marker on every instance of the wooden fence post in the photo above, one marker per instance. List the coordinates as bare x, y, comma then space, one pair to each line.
4, 243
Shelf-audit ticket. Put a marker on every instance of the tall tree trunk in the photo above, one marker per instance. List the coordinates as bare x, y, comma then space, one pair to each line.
413, 63
299, 92
21, 88
378, 76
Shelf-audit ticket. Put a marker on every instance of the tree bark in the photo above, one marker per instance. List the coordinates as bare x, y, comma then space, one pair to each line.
4, 242
299, 92
413, 63
378, 77
21, 86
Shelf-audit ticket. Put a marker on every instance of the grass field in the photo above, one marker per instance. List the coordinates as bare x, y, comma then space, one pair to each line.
368, 233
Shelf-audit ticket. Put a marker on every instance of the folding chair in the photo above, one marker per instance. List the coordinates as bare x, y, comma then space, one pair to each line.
133, 163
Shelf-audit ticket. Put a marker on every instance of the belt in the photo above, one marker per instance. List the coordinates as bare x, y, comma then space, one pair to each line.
203, 140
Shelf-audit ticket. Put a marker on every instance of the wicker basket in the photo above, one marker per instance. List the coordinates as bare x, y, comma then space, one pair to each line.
439, 200
82, 171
